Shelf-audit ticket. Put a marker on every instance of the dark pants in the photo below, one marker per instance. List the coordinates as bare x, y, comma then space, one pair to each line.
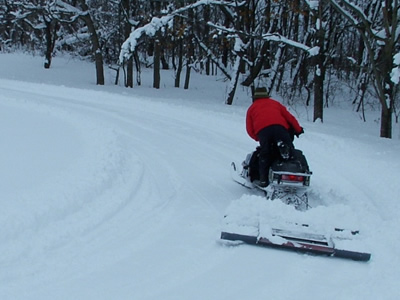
268, 137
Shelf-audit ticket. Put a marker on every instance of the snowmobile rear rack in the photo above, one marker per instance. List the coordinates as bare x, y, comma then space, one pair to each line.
315, 244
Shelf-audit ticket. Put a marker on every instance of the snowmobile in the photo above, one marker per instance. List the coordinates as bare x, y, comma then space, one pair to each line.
289, 175
289, 181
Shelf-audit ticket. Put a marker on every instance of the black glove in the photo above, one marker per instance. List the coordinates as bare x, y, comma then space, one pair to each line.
301, 132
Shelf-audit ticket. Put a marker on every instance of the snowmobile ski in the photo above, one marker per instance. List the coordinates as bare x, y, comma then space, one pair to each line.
239, 178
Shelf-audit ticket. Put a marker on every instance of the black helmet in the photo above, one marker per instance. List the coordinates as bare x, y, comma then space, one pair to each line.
260, 92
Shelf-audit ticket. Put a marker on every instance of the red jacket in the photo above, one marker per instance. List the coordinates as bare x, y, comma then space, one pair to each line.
265, 112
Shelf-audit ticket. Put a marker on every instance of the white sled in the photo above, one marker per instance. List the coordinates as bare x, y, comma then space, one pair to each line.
259, 222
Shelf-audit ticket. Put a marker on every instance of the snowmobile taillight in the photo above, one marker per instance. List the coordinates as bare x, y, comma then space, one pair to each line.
295, 178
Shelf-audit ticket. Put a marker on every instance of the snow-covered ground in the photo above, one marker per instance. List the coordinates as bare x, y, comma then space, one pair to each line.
114, 193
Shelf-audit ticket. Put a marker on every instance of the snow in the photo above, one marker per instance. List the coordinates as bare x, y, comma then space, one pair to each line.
396, 59
395, 74
114, 193
313, 4
278, 38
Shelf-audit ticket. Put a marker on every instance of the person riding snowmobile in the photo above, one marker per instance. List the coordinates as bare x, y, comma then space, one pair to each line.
270, 123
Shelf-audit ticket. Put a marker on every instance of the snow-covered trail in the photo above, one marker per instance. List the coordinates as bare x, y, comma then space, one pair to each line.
149, 202
122, 198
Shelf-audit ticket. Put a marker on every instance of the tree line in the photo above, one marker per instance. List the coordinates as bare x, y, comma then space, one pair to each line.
302, 49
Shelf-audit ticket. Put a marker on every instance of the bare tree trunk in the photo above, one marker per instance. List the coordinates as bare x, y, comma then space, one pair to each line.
190, 50
95, 43
386, 122
318, 93
180, 64
51, 35
319, 74
206, 34
129, 73
156, 71
187, 77
257, 66
234, 81
127, 31
380, 49
138, 70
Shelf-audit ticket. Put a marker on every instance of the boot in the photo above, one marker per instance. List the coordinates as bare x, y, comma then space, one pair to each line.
263, 182
263, 174
284, 150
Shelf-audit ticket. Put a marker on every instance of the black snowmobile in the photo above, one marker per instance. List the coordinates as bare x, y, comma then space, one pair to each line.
289, 175
289, 180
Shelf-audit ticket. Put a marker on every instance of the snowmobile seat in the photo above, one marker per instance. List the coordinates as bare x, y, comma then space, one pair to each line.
296, 164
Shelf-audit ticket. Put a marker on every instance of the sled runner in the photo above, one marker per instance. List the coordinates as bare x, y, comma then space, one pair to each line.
318, 244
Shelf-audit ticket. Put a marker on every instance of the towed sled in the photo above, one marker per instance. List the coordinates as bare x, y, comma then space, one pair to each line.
289, 181
301, 238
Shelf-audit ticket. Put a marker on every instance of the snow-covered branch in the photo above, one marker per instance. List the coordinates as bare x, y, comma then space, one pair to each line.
312, 4
65, 12
279, 38
274, 37
156, 24
149, 29
215, 59
355, 16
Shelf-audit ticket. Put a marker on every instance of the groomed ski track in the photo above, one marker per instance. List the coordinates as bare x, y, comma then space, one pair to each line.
136, 213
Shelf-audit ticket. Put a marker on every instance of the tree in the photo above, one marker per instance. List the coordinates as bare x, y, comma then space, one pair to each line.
43, 18
5, 24
37, 24
153, 29
126, 8
377, 22
296, 48
260, 45
84, 14
319, 59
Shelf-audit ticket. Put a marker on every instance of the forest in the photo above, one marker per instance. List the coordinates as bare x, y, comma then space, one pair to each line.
304, 50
